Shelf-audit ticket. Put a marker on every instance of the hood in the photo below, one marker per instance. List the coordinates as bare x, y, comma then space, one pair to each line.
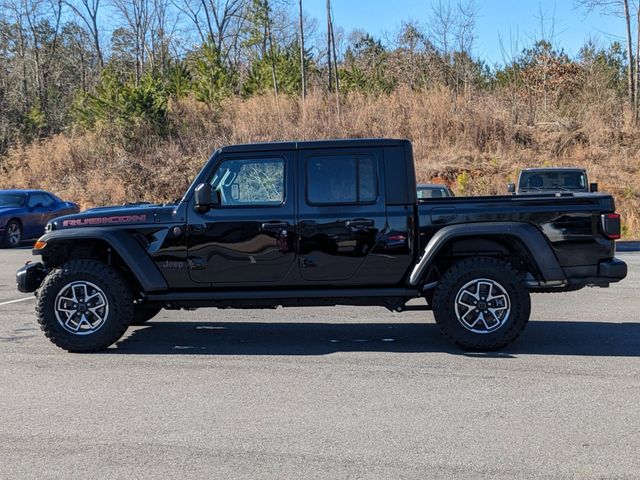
133, 214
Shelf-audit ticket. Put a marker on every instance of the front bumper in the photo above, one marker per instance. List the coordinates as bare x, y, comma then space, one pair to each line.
30, 276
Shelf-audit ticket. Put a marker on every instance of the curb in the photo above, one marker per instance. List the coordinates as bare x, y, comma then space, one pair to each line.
628, 246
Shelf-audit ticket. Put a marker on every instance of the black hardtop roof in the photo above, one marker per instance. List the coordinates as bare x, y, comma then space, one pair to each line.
553, 169
341, 143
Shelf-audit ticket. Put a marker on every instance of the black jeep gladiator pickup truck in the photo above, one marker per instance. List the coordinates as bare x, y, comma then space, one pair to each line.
316, 224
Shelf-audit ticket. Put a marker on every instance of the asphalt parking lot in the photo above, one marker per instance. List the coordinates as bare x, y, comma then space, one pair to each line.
326, 393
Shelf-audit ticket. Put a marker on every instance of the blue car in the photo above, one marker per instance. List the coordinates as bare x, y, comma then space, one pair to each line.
24, 214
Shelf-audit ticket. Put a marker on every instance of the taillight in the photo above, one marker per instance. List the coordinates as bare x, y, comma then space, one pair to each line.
611, 225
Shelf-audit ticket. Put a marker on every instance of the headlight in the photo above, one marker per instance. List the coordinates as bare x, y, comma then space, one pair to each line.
48, 227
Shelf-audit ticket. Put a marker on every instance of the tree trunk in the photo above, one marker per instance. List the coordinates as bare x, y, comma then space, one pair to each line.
630, 69
96, 40
335, 66
329, 44
303, 73
637, 65
271, 53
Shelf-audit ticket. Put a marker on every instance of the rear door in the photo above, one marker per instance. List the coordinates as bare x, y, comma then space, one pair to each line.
342, 212
249, 238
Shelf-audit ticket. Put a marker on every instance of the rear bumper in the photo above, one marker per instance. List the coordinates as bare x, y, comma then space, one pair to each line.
614, 269
600, 275
30, 276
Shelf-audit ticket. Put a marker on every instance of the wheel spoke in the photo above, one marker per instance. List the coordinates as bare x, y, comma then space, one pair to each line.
495, 316
471, 294
484, 321
92, 296
83, 319
94, 311
69, 325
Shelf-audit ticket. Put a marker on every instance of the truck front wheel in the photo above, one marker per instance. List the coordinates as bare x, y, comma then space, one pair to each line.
84, 306
482, 303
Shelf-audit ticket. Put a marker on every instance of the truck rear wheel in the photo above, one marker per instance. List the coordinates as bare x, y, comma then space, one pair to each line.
481, 304
84, 306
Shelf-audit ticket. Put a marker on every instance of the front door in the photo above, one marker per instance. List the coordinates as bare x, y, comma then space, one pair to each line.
39, 205
342, 212
249, 238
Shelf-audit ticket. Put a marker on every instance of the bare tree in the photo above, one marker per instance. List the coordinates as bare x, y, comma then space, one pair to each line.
621, 8
137, 15
87, 11
452, 32
163, 25
441, 26
218, 21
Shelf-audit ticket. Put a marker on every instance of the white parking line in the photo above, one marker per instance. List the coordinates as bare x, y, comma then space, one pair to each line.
16, 300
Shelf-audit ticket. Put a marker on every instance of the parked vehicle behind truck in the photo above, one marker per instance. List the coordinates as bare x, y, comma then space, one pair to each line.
24, 214
552, 179
433, 190
316, 224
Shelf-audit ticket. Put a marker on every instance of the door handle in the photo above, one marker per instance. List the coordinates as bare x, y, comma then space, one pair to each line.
274, 226
359, 223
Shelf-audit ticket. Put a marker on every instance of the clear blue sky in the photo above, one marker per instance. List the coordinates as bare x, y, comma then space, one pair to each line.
507, 18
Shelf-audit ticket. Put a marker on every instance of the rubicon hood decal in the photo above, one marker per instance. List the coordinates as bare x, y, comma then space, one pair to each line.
111, 220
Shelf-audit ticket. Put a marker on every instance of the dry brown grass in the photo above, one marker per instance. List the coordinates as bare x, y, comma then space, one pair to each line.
473, 146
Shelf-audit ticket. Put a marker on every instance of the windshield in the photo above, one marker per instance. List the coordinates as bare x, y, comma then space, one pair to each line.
11, 199
553, 180
432, 192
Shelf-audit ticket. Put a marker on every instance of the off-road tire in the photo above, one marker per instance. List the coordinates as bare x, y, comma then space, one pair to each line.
6, 241
116, 290
144, 312
466, 271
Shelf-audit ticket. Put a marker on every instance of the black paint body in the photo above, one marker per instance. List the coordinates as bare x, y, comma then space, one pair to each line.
298, 245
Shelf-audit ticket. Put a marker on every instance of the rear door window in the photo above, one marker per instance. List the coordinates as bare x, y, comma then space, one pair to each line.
341, 179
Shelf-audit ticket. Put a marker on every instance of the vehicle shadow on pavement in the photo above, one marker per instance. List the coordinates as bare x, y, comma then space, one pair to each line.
237, 338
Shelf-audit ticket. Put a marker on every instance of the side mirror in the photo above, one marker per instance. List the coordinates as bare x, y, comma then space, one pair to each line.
511, 187
593, 187
206, 197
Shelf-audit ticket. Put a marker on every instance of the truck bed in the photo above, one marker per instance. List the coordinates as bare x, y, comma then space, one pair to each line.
570, 221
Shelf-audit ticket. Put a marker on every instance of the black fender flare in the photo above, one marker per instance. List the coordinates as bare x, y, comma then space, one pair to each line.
122, 242
541, 253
